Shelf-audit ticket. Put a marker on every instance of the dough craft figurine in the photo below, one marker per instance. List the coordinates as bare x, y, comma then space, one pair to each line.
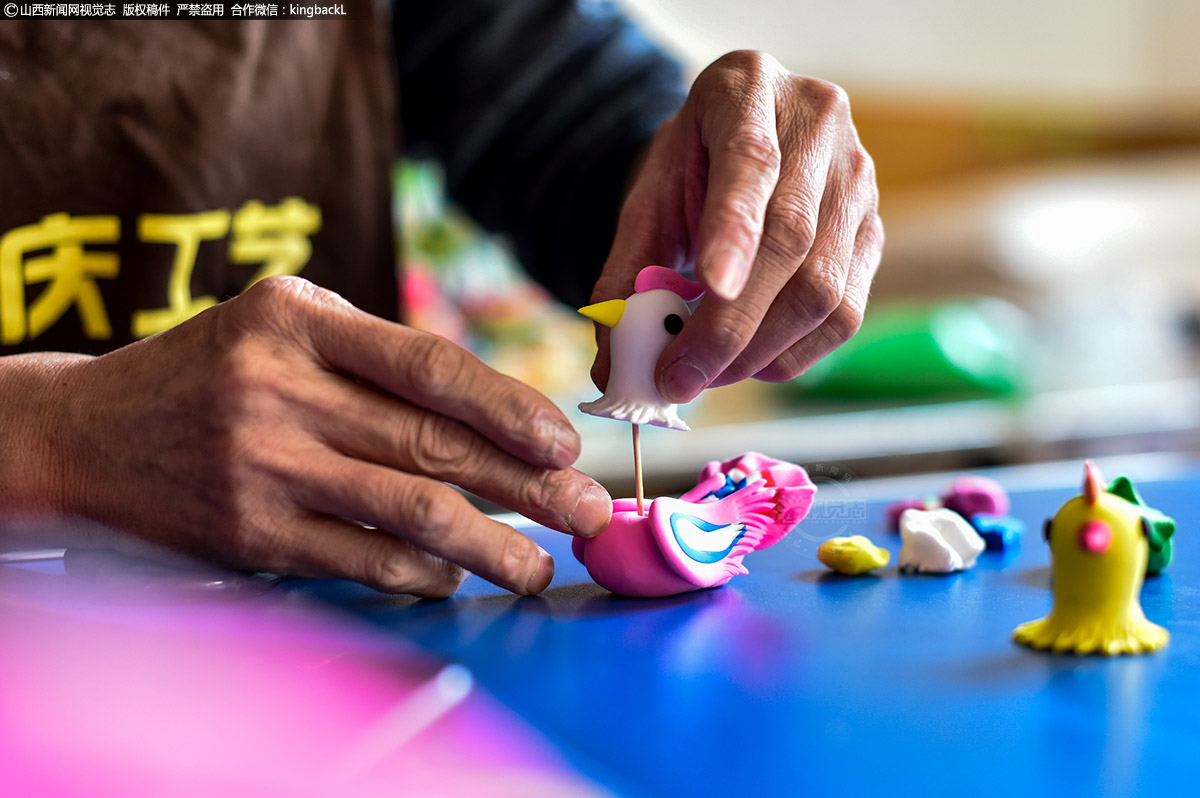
642, 326
698, 540
852, 556
1099, 544
937, 541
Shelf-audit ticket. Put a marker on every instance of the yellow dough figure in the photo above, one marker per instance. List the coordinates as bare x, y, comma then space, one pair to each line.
1098, 550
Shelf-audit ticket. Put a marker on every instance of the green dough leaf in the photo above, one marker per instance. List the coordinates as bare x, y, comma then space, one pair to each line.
1123, 487
1159, 526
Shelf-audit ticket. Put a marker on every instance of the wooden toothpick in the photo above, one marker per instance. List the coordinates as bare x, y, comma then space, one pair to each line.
637, 466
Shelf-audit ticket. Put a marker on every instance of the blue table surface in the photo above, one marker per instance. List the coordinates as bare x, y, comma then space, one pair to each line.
794, 679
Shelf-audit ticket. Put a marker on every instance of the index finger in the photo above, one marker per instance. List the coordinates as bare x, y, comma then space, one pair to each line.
434, 373
738, 130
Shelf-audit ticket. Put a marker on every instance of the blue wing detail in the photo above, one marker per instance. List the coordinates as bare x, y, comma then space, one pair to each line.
734, 531
731, 486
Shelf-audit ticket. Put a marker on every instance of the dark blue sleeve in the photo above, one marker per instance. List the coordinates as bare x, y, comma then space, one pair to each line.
537, 110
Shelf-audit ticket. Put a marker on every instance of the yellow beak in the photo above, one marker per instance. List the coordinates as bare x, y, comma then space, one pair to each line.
607, 313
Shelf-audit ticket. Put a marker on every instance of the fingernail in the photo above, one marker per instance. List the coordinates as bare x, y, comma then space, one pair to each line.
564, 444
682, 382
592, 512
544, 574
727, 272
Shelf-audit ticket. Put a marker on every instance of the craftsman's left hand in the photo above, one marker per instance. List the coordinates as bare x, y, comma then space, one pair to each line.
761, 181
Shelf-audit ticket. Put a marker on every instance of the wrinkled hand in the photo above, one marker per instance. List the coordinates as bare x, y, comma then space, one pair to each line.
761, 181
266, 432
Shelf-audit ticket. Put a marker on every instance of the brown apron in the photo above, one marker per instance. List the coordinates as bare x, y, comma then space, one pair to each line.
151, 169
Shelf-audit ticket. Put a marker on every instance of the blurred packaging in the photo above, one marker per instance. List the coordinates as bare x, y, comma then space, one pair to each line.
950, 350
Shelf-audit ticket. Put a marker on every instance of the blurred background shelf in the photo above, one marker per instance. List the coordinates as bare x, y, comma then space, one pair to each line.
1062, 424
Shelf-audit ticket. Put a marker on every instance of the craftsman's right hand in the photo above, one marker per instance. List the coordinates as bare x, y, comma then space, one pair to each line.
268, 432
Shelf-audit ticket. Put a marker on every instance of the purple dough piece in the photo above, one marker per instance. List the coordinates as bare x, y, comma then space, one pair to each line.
972, 495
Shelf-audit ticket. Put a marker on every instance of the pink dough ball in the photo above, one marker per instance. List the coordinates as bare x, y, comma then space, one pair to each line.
971, 495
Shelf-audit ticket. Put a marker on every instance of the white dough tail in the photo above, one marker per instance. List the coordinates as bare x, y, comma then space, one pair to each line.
635, 412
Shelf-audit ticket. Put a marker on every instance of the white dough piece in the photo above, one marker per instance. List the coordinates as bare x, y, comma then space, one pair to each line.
937, 541
634, 348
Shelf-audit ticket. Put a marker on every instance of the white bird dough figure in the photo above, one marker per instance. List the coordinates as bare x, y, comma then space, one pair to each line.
642, 326
937, 541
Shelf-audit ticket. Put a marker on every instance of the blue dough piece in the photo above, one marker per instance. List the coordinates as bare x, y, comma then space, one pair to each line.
999, 532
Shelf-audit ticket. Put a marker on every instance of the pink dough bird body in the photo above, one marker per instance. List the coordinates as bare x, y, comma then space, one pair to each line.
698, 540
